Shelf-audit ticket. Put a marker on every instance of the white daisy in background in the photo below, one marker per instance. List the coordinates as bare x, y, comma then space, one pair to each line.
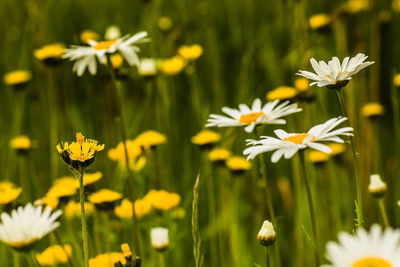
287, 144
159, 238
335, 75
376, 248
85, 56
27, 225
270, 113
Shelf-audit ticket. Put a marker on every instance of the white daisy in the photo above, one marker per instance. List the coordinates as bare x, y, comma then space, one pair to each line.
85, 56
376, 248
159, 238
27, 225
270, 113
335, 75
287, 144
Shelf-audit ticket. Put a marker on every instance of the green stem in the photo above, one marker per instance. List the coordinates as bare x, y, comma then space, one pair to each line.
267, 261
312, 209
83, 217
359, 206
161, 259
382, 209
34, 260
16, 259
131, 193
268, 194
59, 241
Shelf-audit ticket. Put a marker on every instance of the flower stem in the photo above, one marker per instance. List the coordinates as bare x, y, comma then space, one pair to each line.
16, 259
268, 194
267, 261
131, 193
312, 209
359, 206
83, 217
34, 259
383, 212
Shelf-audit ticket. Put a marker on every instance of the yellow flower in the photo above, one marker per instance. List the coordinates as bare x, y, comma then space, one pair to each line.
150, 139
50, 54
81, 153
301, 84
124, 211
318, 156
164, 23
88, 35
355, 6
190, 52
219, 154
162, 200
206, 137
107, 259
65, 186
396, 78
172, 66
104, 196
73, 209
17, 78
116, 61
136, 160
90, 178
46, 201
319, 21
21, 143
372, 109
8, 192
237, 163
54, 255
281, 93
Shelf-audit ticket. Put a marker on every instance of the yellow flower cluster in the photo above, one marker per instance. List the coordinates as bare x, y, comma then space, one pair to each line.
73, 209
54, 255
107, 259
238, 164
104, 196
175, 64
154, 199
8, 192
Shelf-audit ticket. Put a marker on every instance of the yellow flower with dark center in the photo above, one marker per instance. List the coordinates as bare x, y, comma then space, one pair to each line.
54, 255
164, 23
73, 209
355, 6
8, 192
88, 35
282, 93
206, 137
136, 160
219, 154
65, 186
190, 52
90, 178
319, 21
21, 143
107, 259
396, 78
318, 156
337, 148
172, 66
372, 109
162, 200
50, 54
81, 153
301, 84
150, 139
237, 163
46, 201
17, 78
104, 196
116, 60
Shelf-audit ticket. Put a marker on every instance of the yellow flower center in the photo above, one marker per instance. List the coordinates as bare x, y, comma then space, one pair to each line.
79, 138
105, 45
251, 117
372, 262
298, 139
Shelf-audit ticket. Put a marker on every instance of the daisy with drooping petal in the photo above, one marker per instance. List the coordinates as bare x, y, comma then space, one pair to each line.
287, 144
85, 56
248, 117
335, 75
376, 248
27, 225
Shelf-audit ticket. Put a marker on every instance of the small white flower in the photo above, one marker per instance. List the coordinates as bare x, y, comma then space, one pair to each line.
376, 186
335, 75
85, 56
374, 248
270, 113
267, 235
27, 225
112, 32
159, 238
147, 67
287, 144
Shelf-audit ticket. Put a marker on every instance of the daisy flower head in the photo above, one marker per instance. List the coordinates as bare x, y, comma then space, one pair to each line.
27, 225
250, 117
85, 56
333, 74
378, 247
287, 144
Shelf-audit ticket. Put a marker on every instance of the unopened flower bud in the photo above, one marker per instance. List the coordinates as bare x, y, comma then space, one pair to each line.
159, 238
377, 187
267, 234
